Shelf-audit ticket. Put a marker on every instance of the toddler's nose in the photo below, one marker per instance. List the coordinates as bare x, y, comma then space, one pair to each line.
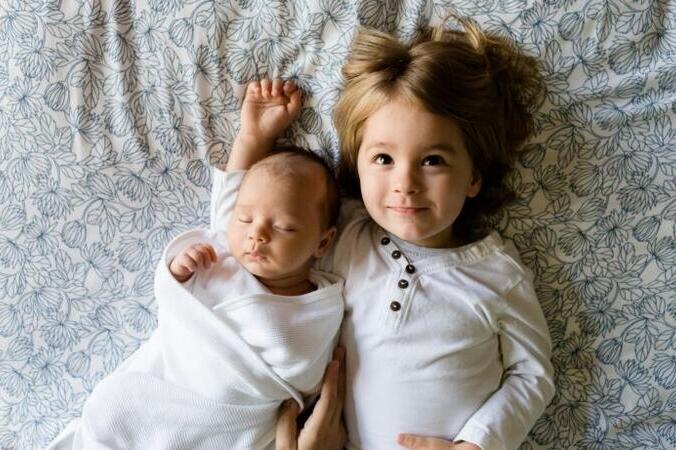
406, 182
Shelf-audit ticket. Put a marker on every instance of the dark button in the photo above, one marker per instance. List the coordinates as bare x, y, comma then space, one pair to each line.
403, 284
396, 254
385, 241
395, 306
410, 268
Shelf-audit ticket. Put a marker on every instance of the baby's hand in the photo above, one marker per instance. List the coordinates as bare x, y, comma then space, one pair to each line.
190, 259
425, 443
269, 108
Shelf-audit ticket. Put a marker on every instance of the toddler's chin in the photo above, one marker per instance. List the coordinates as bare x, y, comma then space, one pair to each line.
407, 233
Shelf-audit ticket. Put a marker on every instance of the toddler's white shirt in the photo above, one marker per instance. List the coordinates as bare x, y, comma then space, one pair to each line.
454, 346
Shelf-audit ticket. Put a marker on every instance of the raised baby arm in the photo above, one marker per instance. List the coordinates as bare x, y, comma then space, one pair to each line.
269, 108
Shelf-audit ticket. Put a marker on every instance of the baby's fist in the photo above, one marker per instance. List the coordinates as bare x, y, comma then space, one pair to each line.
190, 259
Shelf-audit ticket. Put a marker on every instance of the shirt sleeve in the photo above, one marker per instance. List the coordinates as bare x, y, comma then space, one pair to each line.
505, 419
223, 197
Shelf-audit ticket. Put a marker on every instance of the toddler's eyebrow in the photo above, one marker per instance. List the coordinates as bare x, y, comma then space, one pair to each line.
380, 144
441, 146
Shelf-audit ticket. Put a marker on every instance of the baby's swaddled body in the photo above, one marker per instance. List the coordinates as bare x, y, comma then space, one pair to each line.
226, 353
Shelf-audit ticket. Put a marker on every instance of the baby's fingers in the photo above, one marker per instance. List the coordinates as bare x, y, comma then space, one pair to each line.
197, 256
277, 86
253, 89
265, 88
295, 102
208, 253
289, 87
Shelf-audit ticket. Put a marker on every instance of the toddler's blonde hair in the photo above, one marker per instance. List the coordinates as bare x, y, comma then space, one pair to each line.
481, 82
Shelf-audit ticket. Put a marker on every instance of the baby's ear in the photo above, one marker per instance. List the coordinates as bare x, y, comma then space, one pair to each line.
325, 243
475, 185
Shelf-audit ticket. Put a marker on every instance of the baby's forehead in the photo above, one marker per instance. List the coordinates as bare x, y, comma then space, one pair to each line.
287, 171
301, 184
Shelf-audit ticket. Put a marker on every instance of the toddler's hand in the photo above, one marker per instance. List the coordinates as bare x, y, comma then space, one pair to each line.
269, 108
425, 443
192, 258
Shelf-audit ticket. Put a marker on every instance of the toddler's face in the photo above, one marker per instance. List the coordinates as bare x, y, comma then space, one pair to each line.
415, 173
275, 229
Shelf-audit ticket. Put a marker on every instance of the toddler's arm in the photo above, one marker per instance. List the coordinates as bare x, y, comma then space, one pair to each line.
505, 419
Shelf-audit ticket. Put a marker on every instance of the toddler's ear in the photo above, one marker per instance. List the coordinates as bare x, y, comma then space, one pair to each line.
325, 242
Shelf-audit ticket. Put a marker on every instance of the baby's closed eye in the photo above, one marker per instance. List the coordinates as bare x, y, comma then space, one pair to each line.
286, 228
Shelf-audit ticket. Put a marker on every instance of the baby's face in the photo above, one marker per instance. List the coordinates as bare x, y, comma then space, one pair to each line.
275, 230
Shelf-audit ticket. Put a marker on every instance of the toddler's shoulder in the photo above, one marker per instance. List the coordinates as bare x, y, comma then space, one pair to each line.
502, 263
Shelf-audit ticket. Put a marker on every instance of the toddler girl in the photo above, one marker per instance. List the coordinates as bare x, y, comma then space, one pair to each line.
444, 337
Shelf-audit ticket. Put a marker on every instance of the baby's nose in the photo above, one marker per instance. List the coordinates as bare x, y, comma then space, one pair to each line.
258, 234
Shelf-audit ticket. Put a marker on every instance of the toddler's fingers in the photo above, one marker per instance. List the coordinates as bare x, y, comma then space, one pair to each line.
339, 355
265, 88
276, 87
423, 443
329, 405
286, 436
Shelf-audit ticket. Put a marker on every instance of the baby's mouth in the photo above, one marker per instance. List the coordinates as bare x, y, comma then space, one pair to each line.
256, 255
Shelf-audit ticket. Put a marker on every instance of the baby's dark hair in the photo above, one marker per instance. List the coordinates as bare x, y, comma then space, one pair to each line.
280, 161
480, 81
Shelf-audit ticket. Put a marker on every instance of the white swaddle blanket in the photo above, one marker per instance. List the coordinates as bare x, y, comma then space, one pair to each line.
218, 366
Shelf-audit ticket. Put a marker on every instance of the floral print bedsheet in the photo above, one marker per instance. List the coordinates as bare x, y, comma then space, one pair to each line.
112, 111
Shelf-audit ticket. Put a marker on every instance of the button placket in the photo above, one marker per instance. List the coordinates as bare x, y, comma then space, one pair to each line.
399, 295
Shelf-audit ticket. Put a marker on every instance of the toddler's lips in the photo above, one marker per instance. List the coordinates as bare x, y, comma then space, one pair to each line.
406, 210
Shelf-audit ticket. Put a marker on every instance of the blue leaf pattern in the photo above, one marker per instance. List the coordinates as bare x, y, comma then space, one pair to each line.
111, 114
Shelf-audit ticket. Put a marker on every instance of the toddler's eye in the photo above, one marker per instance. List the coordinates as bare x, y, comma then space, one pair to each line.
382, 158
244, 219
433, 160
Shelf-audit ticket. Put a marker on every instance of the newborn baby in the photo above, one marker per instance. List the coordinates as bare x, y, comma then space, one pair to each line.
244, 321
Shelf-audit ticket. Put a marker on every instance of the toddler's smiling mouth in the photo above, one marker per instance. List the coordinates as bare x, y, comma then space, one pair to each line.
407, 210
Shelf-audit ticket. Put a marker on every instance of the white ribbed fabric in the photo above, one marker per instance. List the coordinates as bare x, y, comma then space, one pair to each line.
455, 347
226, 353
